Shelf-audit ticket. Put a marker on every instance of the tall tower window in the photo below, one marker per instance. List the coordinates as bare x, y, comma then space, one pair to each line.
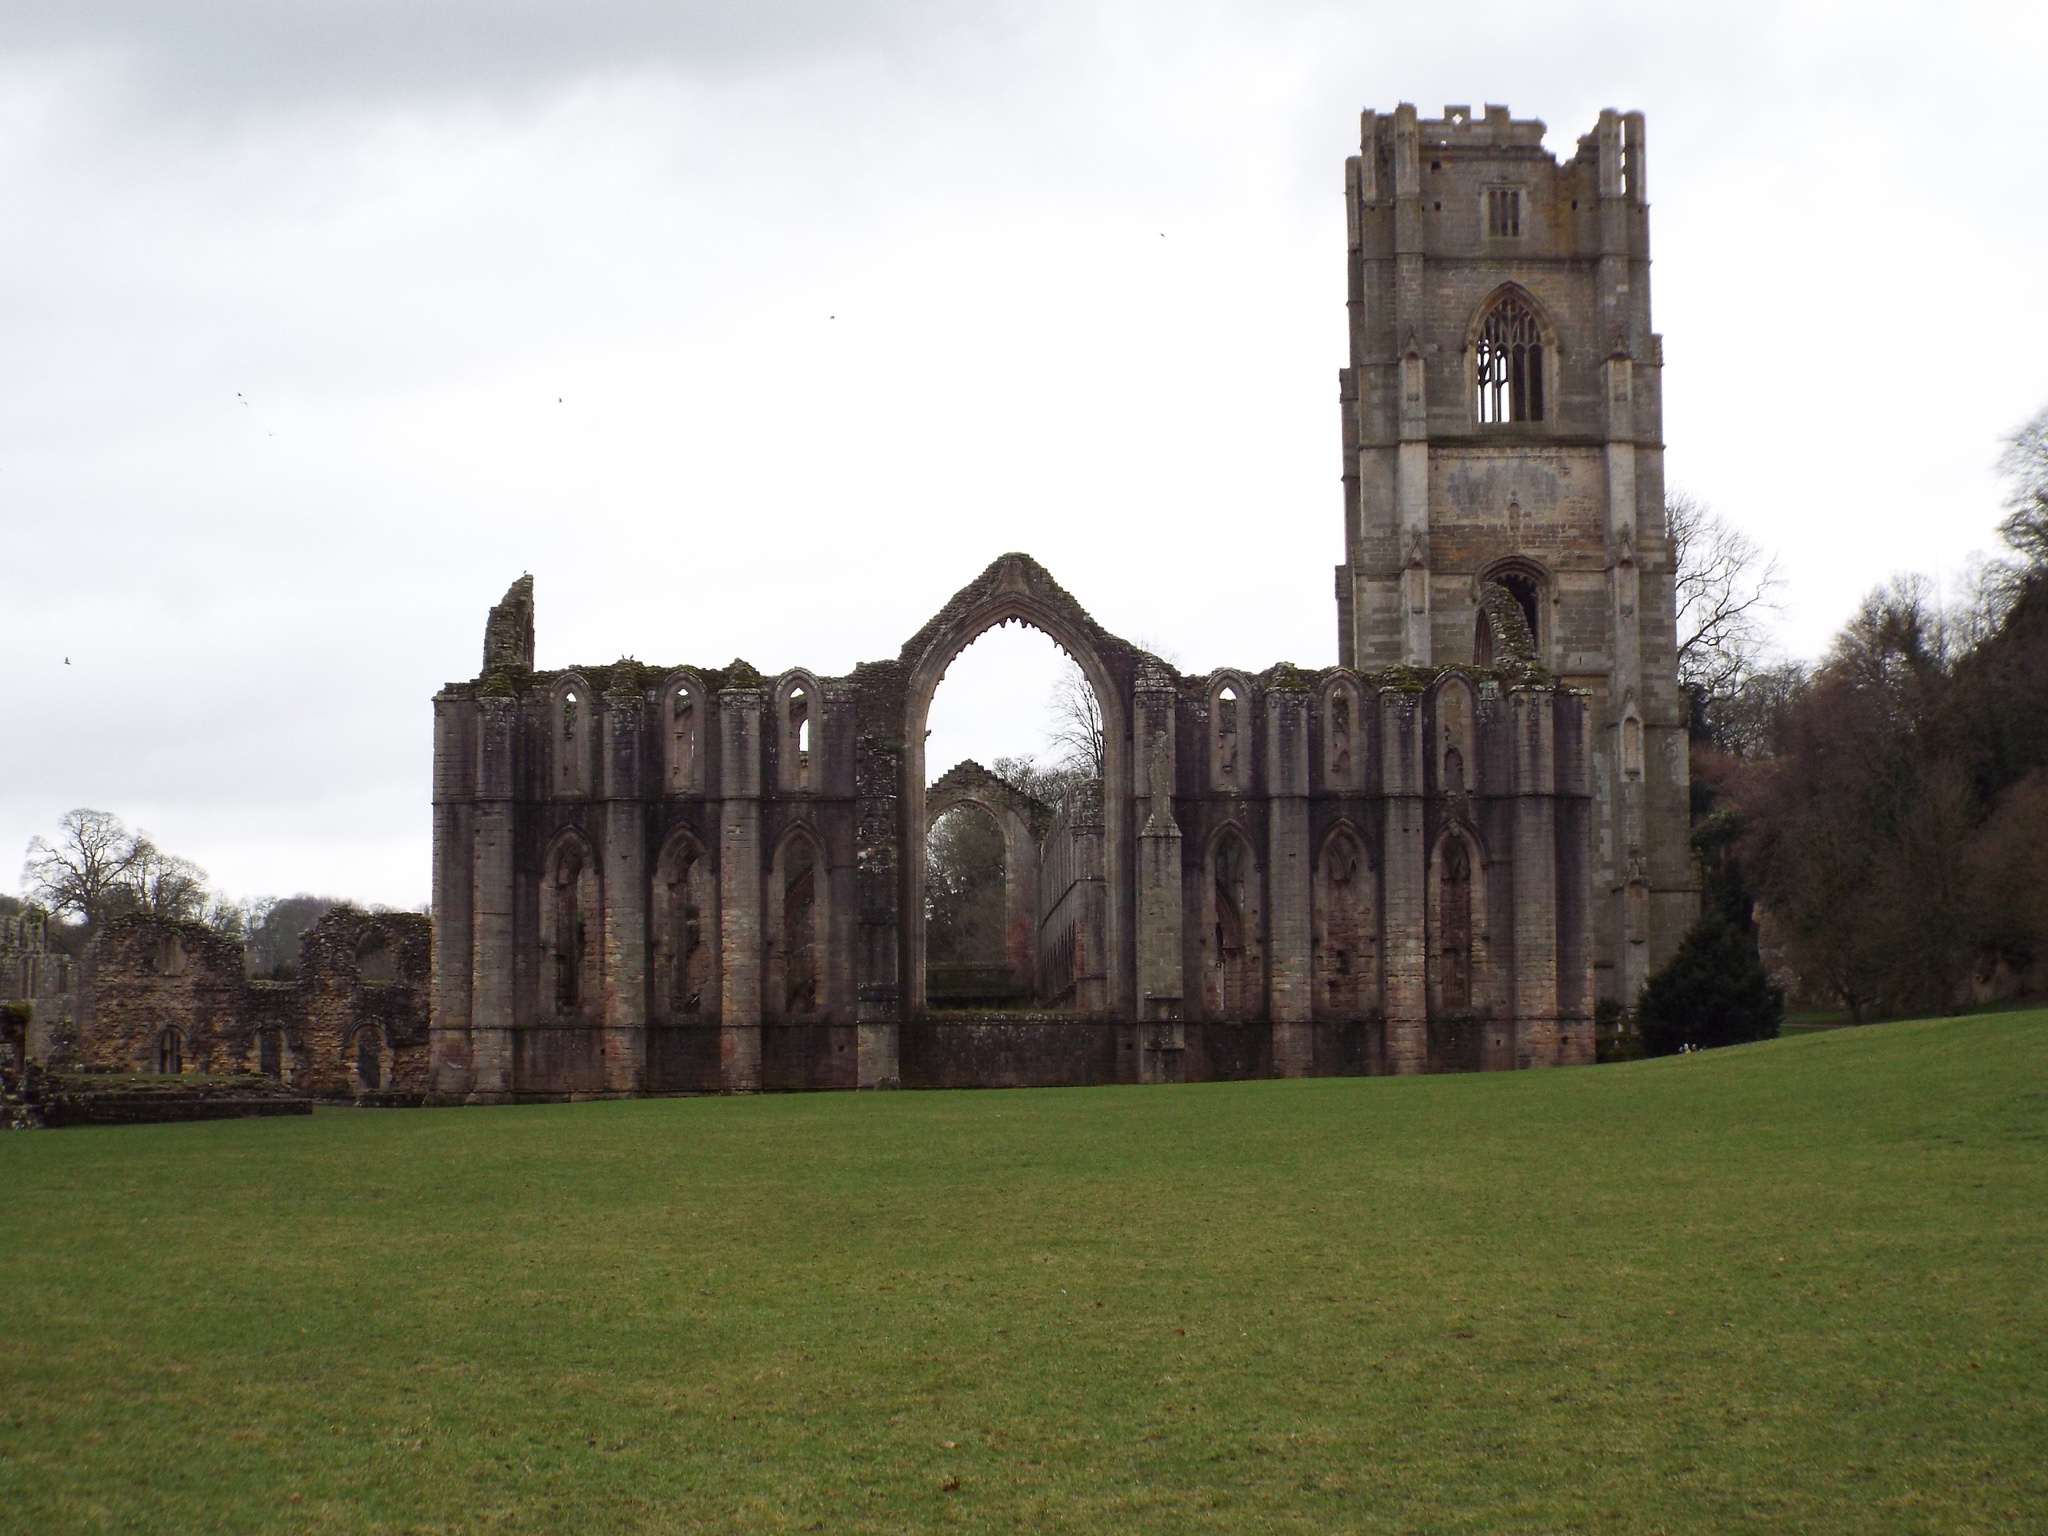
1509, 374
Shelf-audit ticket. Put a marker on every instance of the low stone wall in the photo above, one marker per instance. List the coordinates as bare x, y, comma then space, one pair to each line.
60, 1099
173, 998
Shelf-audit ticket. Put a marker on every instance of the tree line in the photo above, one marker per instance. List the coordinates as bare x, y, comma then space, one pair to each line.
96, 869
1877, 821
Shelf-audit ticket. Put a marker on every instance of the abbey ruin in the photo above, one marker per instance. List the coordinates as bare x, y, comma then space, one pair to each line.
1437, 855
1433, 856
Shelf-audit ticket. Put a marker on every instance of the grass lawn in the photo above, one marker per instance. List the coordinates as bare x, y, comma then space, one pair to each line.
1800, 1286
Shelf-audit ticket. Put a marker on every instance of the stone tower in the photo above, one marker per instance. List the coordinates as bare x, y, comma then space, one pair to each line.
1503, 429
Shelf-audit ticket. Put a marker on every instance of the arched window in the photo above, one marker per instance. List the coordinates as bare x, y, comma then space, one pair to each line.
366, 1058
170, 1052
1455, 720
799, 987
800, 767
1509, 367
568, 918
571, 731
1343, 736
1346, 929
684, 931
1232, 939
682, 748
1454, 939
1227, 730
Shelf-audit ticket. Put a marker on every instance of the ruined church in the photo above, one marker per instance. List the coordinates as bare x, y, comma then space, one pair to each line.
1436, 855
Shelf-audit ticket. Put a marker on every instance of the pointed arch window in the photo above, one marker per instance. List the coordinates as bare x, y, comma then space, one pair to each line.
1454, 976
1509, 368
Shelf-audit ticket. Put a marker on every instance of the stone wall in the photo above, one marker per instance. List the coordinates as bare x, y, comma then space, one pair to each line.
160, 995
43, 979
714, 881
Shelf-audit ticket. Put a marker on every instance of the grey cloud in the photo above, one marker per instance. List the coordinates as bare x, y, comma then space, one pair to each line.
236, 54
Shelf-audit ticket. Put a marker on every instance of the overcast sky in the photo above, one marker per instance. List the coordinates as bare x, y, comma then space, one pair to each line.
759, 328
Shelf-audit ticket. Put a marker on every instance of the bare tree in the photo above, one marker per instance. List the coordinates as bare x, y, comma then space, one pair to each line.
2025, 466
1074, 725
1726, 591
164, 885
85, 874
97, 868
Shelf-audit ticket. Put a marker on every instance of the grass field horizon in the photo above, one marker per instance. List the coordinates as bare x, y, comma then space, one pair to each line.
1797, 1286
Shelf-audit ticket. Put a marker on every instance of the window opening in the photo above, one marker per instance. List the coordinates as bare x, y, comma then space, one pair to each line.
682, 741
374, 962
1504, 212
800, 929
567, 937
800, 738
1232, 963
170, 1053
1454, 978
1340, 735
684, 956
269, 1053
369, 1066
1509, 374
1226, 732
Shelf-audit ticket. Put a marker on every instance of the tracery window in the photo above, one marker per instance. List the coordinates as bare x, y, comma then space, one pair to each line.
1509, 370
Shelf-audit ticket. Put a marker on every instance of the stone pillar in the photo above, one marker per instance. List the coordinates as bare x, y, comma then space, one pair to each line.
1532, 769
1626, 703
454, 869
1290, 995
1574, 806
1404, 892
1411, 323
494, 937
741, 939
1162, 959
625, 892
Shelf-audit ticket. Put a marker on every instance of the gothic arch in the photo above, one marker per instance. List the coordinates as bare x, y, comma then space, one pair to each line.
1456, 736
684, 914
1459, 949
799, 726
1533, 586
171, 1050
366, 1056
1014, 589
1345, 734
572, 728
1233, 928
1533, 397
1346, 914
681, 729
1231, 732
798, 947
570, 935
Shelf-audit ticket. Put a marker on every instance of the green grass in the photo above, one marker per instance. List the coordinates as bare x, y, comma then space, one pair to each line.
1801, 1286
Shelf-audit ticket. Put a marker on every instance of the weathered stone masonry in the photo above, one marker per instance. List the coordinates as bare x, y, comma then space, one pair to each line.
1503, 427
161, 995
1429, 857
690, 879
